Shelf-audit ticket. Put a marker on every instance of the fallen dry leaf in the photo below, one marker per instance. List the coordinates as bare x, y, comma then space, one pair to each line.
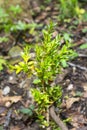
73, 129
15, 128
77, 120
85, 94
70, 101
84, 85
12, 99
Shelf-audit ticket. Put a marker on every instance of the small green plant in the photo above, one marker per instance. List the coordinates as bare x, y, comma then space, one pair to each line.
70, 8
9, 20
15, 9
8, 17
51, 56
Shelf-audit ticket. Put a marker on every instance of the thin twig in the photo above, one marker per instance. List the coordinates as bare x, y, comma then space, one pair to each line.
82, 55
57, 119
8, 119
78, 66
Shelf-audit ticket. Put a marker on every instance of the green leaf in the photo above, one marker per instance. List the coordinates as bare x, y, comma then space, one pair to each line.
67, 37
2, 13
84, 46
19, 26
36, 81
64, 64
32, 107
18, 68
78, 94
26, 111
16, 9
84, 30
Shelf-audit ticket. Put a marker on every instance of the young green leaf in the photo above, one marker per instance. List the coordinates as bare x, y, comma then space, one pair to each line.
37, 81
64, 63
26, 111
3, 39
83, 46
15, 9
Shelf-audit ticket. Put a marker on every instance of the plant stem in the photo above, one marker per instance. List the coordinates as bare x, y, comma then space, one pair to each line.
48, 118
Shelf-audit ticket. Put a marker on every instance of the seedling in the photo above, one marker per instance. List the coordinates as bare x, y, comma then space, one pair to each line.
51, 56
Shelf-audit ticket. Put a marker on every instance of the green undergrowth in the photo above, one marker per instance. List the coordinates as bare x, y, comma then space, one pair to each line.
71, 9
50, 57
10, 22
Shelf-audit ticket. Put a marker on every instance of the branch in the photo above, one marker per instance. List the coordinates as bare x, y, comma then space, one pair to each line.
82, 55
48, 118
57, 120
78, 66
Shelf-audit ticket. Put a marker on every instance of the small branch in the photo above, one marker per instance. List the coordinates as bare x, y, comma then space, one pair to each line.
77, 66
56, 118
82, 55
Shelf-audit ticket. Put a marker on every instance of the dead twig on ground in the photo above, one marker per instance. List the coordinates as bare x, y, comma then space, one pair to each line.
82, 55
8, 119
48, 118
57, 119
77, 66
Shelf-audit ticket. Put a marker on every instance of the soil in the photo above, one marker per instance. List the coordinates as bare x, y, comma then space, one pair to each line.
15, 89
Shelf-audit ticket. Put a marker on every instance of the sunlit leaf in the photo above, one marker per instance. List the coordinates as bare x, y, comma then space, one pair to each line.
84, 46
64, 63
36, 81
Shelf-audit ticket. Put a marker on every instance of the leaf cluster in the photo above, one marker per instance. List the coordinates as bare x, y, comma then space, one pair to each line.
70, 8
25, 65
52, 55
9, 19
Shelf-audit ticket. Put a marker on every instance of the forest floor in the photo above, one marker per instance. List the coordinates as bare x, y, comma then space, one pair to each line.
14, 89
